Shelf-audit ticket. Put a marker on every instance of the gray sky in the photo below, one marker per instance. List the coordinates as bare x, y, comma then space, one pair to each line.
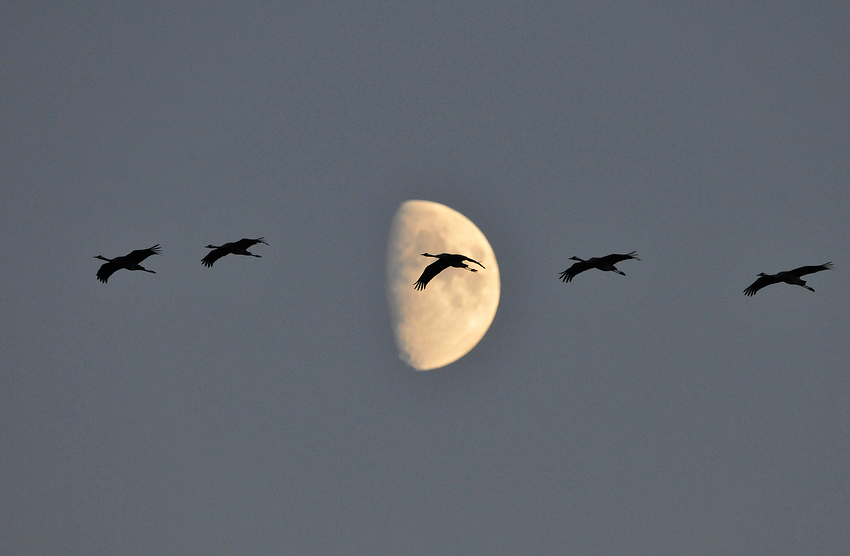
259, 407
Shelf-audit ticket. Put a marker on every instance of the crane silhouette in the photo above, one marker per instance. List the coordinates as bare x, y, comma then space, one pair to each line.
444, 261
605, 263
233, 248
128, 262
788, 276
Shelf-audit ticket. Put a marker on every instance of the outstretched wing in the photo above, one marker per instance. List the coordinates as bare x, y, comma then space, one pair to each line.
570, 273
214, 255
137, 256
430, 271
614, 258
803, 270
106, 270
245, 242
759, 284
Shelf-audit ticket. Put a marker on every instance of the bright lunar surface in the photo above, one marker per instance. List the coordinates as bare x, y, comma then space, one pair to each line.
443, 322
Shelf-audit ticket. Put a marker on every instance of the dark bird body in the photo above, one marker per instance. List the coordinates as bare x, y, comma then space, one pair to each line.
444, 261
605, 263
127, 262
788, 276
233, 248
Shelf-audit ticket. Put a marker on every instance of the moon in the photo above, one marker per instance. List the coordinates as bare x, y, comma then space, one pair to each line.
442, 323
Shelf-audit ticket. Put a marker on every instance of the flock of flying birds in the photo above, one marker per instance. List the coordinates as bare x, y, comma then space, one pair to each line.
606, 263
132, 261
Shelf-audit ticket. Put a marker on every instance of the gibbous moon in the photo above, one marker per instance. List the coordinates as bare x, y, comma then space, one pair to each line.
443, 322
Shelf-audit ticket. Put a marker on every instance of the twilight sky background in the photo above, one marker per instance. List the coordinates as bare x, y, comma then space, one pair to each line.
259, 407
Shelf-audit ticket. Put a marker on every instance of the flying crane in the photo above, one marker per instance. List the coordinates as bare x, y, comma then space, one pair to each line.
444, 261
605, 263
128, 262
233, 248
788, 276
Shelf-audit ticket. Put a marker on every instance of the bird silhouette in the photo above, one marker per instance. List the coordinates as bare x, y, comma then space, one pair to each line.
605, 263
444, 261
788, 276
233, 248
128, 262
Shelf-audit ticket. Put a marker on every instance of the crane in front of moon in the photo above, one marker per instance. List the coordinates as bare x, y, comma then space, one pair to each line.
128, 262
605, 263
788, 276
233, 248
444, 261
